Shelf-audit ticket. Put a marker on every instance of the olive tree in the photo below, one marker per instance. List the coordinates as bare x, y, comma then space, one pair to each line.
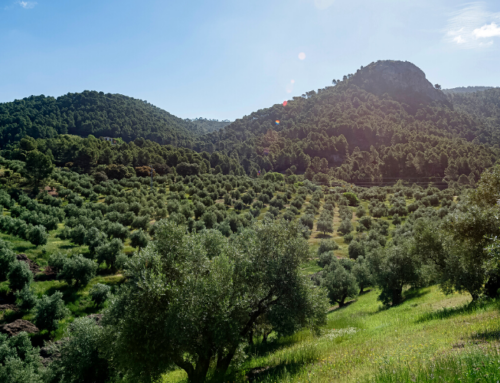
49, 310
339, 282
78, 269
195, 323
19, 275
395, 267
80, 360
37, 235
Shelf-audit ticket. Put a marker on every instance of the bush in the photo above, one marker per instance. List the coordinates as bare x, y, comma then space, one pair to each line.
37, 235
79, 269
99, 293
19, 275
49, 310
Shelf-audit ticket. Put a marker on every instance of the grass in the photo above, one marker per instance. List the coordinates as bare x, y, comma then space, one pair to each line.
430, 335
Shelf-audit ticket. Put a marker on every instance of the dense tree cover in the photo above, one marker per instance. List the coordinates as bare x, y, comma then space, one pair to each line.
349, 133
206, 125
95, 113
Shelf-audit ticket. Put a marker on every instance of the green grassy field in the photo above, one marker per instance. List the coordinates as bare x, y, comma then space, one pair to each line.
431, 337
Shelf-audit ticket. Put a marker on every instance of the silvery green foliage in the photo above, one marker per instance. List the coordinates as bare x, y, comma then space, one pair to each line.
19, 361
49, 310
196, 296
99, 293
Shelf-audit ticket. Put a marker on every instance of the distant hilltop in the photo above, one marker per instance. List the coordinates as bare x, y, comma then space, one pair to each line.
468, 89
400, 79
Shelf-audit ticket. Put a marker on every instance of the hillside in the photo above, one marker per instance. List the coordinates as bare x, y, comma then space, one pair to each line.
95, 113
208, 126
468, 89
383, 123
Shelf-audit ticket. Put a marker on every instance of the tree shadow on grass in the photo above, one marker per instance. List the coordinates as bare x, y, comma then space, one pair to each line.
274, 373
261, 349
22, 248
414, 293
446, 312
67, 247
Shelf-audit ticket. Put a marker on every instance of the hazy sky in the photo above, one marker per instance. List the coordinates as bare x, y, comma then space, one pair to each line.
227, 58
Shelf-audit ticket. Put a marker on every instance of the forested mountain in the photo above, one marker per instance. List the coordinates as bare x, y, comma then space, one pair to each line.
380, 124
95, 113
468, 89
205, 125
383, 123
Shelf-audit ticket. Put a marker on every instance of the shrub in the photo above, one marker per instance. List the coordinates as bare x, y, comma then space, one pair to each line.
19, 275
49, 310
37, 235
79, 269
99, 293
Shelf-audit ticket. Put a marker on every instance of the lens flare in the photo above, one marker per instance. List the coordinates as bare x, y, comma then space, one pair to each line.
285, 102
302, 56
277, 122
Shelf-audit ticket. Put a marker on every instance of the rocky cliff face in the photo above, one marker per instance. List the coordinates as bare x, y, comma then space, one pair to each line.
400, 79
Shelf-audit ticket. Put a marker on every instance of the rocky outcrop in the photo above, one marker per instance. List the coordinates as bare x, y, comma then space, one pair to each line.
19, 325
400, 79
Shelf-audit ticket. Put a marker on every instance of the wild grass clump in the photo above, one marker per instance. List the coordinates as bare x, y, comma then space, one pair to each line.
474, 366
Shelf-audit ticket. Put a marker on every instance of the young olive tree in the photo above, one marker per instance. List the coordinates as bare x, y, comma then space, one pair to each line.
195, 323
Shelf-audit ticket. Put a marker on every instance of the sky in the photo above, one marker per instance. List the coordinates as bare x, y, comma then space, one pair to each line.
223, 59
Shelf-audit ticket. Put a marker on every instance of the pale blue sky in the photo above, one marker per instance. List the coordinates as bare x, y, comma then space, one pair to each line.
227, 58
